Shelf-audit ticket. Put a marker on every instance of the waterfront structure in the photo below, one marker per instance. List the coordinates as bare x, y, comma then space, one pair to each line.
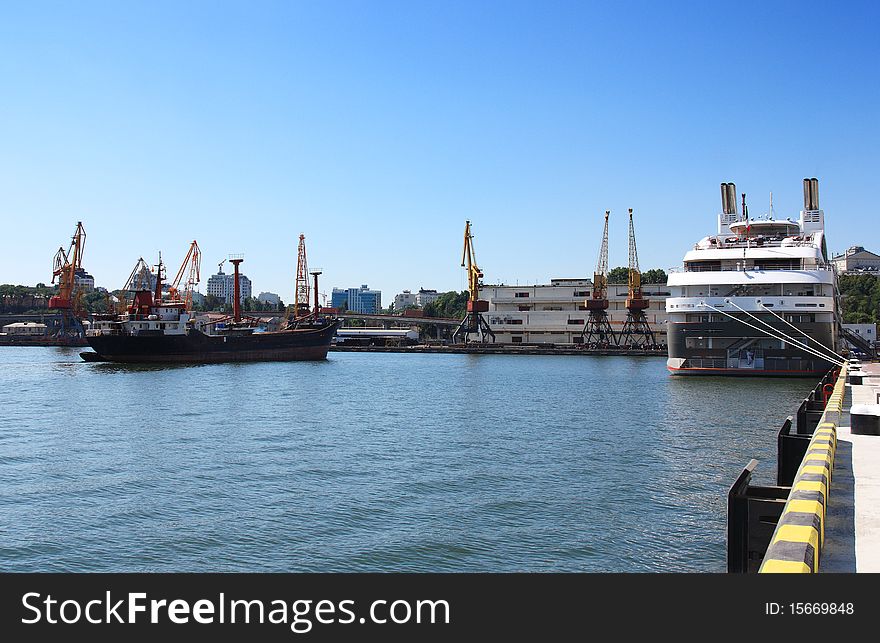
758, 297
25, 329
269, 298
222, 286
357, 300
868, 331
856, 259
404, 299
556, 313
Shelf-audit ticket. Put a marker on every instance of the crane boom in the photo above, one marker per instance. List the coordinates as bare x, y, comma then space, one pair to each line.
65, 266
469, 262
600, 277
635, 276
190, 267
473, 321
637, 331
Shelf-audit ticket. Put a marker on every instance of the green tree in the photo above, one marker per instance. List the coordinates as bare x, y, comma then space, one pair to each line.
654, 276
452, 305
619, 275
860, 298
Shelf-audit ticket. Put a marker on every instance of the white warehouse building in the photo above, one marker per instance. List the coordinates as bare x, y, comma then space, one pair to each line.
556, 313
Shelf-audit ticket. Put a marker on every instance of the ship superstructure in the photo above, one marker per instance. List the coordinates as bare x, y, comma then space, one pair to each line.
759, 297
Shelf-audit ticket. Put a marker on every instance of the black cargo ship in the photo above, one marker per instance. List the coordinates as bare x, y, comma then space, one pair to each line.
307, 342
158, 330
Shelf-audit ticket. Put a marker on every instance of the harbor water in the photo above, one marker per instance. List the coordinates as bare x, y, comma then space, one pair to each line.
375, 462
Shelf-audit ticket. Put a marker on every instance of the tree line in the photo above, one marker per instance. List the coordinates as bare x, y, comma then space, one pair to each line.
860, 298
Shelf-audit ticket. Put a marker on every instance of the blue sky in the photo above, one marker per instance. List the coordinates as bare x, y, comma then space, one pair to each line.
377, 128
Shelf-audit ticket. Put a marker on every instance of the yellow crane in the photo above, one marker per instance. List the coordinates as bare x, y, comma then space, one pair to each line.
473, 322
597, 332
65, 266
636, 331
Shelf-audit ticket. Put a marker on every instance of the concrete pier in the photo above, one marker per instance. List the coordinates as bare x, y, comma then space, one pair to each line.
852, 537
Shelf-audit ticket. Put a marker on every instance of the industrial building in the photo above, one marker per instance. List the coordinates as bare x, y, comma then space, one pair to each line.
556, 313
25, 328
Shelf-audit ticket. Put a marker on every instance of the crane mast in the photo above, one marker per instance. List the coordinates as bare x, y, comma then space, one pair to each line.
302, 279
600, 277
473, 322
597, 332
636, 331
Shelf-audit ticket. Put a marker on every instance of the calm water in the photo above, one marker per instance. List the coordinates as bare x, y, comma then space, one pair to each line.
374, 462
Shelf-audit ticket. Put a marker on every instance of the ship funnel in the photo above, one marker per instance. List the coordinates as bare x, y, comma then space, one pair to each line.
811, 195
728, 198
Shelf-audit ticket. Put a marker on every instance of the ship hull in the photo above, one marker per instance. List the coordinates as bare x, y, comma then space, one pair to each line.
41, 340
731, 348
302, 344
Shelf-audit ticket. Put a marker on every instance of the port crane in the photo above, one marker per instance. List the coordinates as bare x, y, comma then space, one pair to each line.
300, 309
302, 279
636, 331
473, 322
68, 301
140, 280
598, 333
190, 267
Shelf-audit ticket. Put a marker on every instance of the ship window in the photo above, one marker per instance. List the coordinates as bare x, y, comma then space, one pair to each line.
524, 307
575, 321
702, 266
521, 294
581, 293
516, 340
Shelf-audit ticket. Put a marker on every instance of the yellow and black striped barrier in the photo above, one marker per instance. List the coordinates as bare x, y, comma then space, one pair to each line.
796, 544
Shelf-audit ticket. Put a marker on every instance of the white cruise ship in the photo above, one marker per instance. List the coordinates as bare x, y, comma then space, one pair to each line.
757, 298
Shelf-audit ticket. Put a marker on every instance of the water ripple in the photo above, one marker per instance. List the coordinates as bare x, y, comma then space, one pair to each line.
374, 462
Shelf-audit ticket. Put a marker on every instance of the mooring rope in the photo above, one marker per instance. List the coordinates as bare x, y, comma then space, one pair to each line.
812, 339
783, 337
